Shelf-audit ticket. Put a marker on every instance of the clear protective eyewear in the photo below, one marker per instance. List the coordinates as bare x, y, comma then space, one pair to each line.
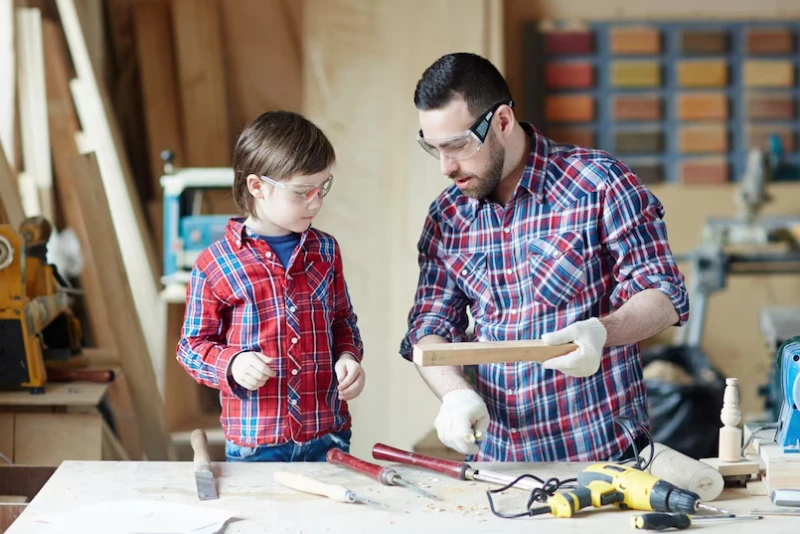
302, 192
463, 145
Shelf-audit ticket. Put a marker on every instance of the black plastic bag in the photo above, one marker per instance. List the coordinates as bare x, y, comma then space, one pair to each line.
684, 407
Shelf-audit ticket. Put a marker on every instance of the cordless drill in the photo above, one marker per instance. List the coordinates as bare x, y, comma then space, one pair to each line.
604, 484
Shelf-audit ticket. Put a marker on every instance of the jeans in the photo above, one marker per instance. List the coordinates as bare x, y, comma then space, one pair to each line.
309, 451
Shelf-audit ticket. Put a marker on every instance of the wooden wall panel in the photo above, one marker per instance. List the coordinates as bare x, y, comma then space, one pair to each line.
358, 87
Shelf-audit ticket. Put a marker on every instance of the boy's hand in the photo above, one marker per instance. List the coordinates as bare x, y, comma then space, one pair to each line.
251, 370
351, 377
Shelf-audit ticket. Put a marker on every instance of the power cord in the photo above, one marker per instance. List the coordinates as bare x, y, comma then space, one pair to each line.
768, 426
551, 485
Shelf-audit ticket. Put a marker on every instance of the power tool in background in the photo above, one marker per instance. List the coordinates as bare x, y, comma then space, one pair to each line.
37, 326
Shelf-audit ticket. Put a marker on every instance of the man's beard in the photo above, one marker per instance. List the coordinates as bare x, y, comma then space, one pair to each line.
491, 178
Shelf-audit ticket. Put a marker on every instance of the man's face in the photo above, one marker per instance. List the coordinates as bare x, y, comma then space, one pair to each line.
478, 175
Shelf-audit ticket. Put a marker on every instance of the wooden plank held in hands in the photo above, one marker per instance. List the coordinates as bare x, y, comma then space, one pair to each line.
474, 353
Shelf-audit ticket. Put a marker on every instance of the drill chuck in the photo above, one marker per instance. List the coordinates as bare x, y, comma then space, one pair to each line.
666, 497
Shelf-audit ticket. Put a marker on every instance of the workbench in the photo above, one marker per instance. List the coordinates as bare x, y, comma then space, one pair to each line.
260, 505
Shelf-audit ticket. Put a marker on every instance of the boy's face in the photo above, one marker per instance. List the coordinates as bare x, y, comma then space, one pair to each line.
478, 174
289, 204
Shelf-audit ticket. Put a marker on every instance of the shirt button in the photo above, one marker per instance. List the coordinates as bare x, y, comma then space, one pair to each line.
294, 402
294, 340
268, 254
513, 312
509, 271
464, 272
510, 392
292, 309
507, 229
294, 372
513, 430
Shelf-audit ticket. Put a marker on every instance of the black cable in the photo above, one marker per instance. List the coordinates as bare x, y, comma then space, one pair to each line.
633, 441
548, 489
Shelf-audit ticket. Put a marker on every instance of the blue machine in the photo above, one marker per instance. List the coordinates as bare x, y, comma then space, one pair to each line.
788, 367
187, 231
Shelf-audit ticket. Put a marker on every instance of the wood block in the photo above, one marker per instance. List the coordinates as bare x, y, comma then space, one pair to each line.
758, 134
756, 487
635, 74
649, 173
637, 108
770, 106
572, 75
783, 470
568, 42
704, 42
764, 73
475, 353
572, 136
770, 41
694, 106
635, 41
569, 108
702, 73
705, 171
639, 141
732, 469
704, 138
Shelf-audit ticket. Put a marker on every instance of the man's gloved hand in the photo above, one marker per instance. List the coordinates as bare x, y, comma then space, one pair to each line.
463, 416
251, 370
590, 336
350, 375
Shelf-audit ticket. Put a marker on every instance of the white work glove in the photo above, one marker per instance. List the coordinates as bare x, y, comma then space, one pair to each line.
251, 370
350, 375
462, 418
590, 336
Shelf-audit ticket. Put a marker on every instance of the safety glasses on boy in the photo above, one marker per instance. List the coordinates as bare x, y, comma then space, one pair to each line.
463, 145
301, 192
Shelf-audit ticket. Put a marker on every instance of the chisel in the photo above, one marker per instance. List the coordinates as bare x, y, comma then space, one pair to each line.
459, 470
203, 476
385, 475
307, 484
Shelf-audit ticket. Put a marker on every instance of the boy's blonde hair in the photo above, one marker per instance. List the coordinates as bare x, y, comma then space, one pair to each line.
279, 145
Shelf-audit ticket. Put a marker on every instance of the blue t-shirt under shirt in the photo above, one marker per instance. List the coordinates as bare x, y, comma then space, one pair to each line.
282, 245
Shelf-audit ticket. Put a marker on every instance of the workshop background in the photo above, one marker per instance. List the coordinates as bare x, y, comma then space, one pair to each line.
93, 92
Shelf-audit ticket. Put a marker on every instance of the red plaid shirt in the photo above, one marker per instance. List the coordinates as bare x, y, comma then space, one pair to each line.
240, 298
577, 239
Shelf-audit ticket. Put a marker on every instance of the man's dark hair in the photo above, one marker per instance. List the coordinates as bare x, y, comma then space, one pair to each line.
470, 76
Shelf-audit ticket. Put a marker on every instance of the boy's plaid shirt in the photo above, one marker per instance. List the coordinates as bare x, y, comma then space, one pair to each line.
578, 238
240, 298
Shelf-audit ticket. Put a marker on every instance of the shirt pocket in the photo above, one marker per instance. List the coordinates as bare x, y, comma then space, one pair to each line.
319, 276
472, 278
557, 267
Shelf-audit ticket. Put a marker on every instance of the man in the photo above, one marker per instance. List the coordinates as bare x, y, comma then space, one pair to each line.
540, 241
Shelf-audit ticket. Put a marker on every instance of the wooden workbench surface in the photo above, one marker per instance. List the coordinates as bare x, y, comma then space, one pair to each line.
260, 505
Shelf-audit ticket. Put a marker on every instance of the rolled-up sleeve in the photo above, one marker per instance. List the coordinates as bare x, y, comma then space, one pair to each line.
440, 307
635, 236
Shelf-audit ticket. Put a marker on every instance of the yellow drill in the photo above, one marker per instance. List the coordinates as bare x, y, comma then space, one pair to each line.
603, 484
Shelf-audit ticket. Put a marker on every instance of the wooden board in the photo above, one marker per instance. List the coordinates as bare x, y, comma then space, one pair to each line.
153, 26
201, 75
7, 79
7, 437
10, 204
63, 124
57, 394
129, 230
260, 505
475, 353
69, 437
125, 324
119, 400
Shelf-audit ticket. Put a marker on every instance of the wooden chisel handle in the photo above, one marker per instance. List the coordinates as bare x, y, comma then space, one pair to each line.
307, 484
347, 461
445, 467
202, 461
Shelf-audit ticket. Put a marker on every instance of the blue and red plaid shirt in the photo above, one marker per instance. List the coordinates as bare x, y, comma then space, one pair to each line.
240, 298
579, 236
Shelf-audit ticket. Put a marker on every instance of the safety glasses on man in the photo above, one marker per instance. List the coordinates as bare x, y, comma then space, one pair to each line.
466, 144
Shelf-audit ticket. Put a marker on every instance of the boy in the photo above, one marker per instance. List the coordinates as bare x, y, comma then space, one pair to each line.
268, 315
